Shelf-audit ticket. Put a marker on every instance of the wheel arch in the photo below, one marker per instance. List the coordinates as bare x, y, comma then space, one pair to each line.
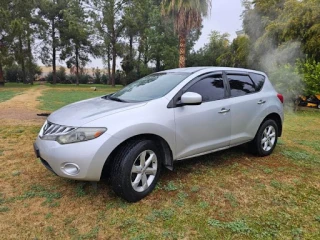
276, 117
160, 142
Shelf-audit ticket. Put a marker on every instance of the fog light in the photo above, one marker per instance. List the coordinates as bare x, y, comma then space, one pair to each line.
70, 169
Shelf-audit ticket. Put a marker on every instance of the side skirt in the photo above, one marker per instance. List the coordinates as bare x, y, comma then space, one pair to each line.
211, 151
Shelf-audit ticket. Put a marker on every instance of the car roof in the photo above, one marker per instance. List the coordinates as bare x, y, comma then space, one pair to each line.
192, 70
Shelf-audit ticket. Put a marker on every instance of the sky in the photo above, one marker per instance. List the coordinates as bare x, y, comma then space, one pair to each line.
225, 17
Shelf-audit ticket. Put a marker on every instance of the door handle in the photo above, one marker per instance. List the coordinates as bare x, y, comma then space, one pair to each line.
261, 102
223, 110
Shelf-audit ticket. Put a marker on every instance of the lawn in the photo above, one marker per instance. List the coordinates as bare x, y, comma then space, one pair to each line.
56, 97
17, 85
80, 86
7, 94
12, 89
226, 195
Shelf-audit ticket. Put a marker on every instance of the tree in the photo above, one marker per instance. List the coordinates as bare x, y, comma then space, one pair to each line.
5, 37
187, 15
132, 20
50, 21
215, 53
258, 19
21, 25
282, 32
138, 21
273, 24
240, 50
76, 43
110, 24
300, 21
162, 50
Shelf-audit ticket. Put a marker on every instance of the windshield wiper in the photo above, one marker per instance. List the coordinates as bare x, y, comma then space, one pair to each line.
116, 99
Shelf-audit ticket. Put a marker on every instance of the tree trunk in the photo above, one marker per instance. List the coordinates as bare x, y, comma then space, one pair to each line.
30, 58
182, 50
131, 47
109, 65
54, 70
146, 50
158, 64
139, 59
114, 56
77, 65
21, 58
1, 76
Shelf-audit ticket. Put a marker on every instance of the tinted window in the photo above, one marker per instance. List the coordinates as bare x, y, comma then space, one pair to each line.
258, 80
210, 88
240, 85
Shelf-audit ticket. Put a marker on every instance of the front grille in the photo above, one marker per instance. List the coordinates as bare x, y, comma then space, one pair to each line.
55, 129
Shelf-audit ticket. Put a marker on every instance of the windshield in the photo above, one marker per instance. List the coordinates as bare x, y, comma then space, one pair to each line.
150, 87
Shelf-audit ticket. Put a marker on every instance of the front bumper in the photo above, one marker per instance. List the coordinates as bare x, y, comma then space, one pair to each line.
89, 156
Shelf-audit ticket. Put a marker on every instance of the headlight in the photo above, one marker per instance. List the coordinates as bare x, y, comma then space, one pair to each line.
77, 135
80, 135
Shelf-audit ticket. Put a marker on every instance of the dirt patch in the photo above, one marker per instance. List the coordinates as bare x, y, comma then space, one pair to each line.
22, 108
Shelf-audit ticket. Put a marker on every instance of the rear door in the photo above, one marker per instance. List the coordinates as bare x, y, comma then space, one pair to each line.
204, 127
247, 104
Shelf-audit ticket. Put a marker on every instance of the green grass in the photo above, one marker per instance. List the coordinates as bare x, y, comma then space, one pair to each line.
312, 144
17, 85
226, 195
12, 89
81, 86
54, 99
7, 94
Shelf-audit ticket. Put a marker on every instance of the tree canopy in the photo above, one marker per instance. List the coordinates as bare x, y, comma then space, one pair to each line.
187, 16
143, 36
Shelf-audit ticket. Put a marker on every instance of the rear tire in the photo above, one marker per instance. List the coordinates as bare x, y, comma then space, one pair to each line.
136, 170
266, 139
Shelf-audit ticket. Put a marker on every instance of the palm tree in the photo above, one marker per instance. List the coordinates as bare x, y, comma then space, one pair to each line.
187, 16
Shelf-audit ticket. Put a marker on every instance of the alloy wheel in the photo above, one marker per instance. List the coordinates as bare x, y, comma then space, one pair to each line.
144, 170
268, 138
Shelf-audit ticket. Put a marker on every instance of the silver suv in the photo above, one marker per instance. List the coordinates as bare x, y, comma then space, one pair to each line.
162, 118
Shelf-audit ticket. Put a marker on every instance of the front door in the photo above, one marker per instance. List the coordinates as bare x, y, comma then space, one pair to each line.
206, 127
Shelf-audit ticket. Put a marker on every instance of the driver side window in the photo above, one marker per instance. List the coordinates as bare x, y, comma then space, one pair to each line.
210, 88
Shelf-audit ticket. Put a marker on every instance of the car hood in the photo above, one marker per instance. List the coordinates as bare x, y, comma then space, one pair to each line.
80, 113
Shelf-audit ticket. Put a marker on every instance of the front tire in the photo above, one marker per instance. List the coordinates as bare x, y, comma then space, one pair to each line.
266, 138
136, 170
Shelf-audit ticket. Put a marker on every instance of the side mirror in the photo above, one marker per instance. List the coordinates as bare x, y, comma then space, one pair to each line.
191, 98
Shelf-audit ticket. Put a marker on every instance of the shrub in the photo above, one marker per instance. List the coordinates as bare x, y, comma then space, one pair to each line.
49, 77
310, 71
84, 79
104, 79
71, 79
61, 75
97, 76
13, 73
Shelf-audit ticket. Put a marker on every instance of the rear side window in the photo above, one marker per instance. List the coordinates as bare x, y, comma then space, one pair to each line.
241, 85
258, 80
210, 88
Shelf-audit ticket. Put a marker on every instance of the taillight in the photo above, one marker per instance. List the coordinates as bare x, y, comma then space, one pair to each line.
280, 96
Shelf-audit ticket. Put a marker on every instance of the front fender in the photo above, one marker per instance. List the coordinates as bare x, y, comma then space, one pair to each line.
167, 133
